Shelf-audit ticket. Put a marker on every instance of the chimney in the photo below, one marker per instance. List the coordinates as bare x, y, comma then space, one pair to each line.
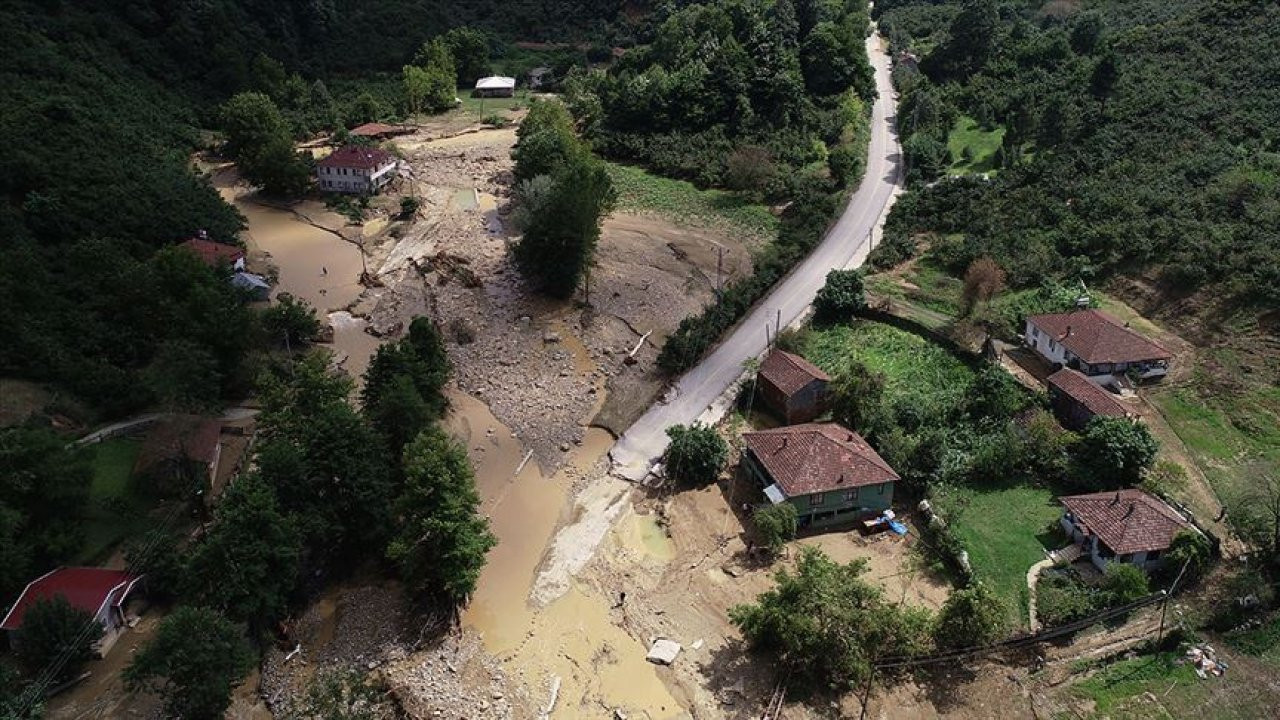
1116, 501
1067, 334
1128, 512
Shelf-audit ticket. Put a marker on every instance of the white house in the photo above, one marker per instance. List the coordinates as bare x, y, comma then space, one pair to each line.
495, 86
1098, 345
1122, 526
356, 169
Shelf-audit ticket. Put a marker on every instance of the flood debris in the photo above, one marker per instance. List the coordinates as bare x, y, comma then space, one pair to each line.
663, 651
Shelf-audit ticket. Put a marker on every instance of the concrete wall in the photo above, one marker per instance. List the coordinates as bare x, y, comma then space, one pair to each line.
355, 180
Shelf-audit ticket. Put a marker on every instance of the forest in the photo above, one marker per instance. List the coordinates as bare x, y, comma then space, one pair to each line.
101, 106
1138, 137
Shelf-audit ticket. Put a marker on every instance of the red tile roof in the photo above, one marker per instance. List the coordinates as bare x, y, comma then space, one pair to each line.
212, 253
789, 373
1128, 521
354, 156
1096, 337
85, 588
379, 129
817, 457
187, 436
1075, 385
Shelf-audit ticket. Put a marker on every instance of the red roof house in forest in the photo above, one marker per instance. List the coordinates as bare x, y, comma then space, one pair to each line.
97, 591
792, 387
214, 254
1076, 400
1097, 344
1128, 526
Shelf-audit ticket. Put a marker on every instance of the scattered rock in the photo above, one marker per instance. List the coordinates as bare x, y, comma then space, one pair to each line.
663, 652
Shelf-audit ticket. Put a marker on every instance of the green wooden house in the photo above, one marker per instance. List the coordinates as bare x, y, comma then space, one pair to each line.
827, 471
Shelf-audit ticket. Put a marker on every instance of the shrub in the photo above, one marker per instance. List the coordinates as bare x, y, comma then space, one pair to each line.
1124, 583
1062, 597
409, 207
840, 297
776, 524
1192, 549
53, 629
972, 616
696, 454
1113, 453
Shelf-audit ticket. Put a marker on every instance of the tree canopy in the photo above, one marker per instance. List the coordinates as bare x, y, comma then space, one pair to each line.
193, 661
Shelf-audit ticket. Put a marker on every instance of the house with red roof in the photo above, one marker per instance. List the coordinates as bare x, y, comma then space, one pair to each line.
1129, 526
356, 169
792, 387
826, 471
1101, 347
99, 592
1076, 400
379, 131
213, 253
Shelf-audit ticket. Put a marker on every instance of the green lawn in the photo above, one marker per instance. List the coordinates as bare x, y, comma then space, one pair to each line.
915, 369
115, 511
981, 146
1233, 438
639, 191
1118, 691
1004, 532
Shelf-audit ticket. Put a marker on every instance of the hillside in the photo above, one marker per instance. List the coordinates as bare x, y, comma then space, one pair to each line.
1137, 137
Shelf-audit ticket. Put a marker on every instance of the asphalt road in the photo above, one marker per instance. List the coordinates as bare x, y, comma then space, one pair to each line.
845, 246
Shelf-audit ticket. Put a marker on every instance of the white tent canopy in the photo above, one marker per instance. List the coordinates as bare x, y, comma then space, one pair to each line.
496, 82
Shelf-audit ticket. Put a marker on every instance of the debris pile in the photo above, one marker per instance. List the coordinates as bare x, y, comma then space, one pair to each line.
1204, 660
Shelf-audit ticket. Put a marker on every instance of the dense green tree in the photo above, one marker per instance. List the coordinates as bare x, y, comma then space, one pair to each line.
247, 564
328, 466
827, 624
695, 455
545, 140
971, 616
971, 41
441, 539
469, 48
1124, 583
857, 399
184, 376
559, 244
403, 386
995, 394
44, 490
290, 322
54, 631
1113, 453
1192, 550
193, 661
840, 297
251, 121
775, 524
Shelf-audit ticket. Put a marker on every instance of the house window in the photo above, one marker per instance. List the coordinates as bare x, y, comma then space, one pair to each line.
1035, 331
815, 499
880, 488
851, 495
1053, 346
1153, 555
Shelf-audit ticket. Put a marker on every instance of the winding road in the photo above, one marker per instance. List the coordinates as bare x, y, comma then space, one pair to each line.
845, 246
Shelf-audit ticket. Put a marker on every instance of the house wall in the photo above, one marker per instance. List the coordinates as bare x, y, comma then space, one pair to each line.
1071, 413
841, 506
355, 180
808, 403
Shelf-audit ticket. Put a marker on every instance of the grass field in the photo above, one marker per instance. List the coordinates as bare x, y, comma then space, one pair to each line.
486, 106
915, 369
1118, 691
1004, 532
115, 512
973, 149
639, 191
1233, 438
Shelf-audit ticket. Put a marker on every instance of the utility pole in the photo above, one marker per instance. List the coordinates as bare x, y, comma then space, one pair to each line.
1164, 607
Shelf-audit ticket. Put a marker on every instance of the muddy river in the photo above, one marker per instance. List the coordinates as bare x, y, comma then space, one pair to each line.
574, 643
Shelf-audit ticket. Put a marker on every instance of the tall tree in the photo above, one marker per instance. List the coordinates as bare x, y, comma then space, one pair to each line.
469, 48
1113, 453
193, 661
559, 244
442, 540
53, 631
969, 617
248, 563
